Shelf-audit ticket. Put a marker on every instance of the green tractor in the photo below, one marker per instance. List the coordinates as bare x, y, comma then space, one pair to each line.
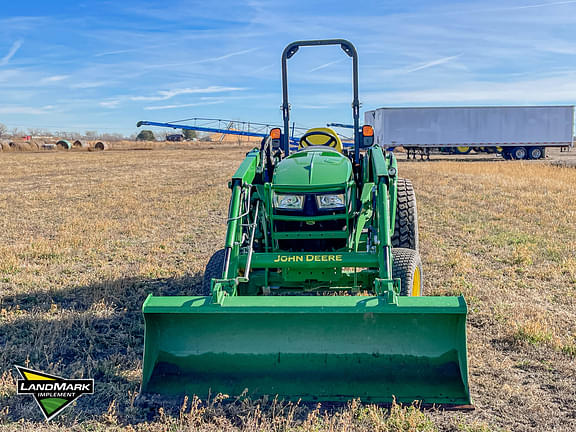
317, 293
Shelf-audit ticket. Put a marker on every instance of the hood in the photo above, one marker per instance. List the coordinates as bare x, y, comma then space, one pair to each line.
313, 166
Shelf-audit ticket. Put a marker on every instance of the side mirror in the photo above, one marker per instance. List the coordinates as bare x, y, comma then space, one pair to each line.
367, 142
367, 138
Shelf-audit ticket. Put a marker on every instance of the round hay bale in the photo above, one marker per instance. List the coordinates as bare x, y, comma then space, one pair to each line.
12, 144
79, 144
24, 146
100, 146
64, 145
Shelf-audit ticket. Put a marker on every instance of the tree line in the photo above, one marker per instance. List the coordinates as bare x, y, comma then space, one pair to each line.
91, 135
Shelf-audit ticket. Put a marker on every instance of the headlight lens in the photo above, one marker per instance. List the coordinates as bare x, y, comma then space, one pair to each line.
332, 201
288, 202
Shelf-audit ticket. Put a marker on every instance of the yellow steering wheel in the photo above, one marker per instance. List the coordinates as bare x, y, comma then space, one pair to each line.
321, 137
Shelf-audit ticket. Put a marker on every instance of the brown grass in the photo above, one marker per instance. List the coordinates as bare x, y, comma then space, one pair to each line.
85, 236
229, 141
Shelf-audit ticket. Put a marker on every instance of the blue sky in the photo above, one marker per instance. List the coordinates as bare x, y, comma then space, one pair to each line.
104, 65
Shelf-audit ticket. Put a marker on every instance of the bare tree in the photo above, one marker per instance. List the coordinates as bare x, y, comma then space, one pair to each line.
16, 133
37, 132
3, 129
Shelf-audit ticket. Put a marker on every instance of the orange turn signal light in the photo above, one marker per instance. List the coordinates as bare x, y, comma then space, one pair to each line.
367, 131
275, 133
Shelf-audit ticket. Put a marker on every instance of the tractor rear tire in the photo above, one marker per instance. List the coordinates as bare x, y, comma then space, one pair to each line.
406, 223
407, 266
213, 271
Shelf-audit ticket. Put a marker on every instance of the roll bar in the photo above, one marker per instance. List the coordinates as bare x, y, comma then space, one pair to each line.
350, 50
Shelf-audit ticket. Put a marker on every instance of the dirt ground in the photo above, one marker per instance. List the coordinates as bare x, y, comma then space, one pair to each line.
85, 236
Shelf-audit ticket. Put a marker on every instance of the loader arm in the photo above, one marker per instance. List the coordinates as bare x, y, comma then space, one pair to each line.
240, 202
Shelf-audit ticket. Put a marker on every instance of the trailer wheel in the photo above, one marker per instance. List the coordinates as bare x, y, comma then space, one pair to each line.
519, 153
536, 152
461, 150
213, 271
506, 154
406, 222
407, 266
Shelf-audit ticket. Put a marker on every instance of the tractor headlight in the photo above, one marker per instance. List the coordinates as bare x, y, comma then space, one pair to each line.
289, 202
332, 201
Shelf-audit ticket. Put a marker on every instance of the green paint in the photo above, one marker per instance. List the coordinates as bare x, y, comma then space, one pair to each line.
344, 349
310, 347
313, 167
52, 404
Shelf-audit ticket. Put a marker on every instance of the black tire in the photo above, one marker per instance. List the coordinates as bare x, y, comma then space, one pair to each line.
406, 223
535, 152
519, 153
213, 271
405, 264
506, 154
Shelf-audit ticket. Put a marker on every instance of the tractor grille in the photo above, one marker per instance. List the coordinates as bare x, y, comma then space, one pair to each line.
310, 245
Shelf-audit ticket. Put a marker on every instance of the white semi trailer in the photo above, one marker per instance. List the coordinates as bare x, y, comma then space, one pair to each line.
516, 132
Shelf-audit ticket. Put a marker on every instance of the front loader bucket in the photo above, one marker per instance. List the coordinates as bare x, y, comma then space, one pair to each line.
325, 348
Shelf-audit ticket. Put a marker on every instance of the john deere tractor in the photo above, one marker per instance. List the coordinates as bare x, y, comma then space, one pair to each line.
317, 293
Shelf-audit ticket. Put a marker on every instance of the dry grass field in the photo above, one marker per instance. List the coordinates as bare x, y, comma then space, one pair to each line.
85, 236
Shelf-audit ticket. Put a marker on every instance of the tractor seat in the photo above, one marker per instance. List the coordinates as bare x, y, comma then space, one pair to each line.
321, 137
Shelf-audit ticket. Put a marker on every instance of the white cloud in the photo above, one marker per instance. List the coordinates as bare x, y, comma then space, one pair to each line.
109, 104
529, 6
226, 56
433, 63
165, 107
13, 50
26, 110
560, 89
108, 53
165, 65
325, 65
89, 84
169, 94
54, 78
263, 68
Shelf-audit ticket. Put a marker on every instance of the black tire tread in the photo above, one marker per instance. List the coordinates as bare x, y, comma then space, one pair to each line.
534, 149
404, 264
213, 270
515, 150
406, 223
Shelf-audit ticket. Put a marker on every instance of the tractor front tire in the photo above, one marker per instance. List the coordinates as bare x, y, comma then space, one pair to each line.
407, 266
406, 223
213, 271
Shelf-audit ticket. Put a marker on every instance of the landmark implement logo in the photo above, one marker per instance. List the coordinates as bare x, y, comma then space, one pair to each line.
52, 393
